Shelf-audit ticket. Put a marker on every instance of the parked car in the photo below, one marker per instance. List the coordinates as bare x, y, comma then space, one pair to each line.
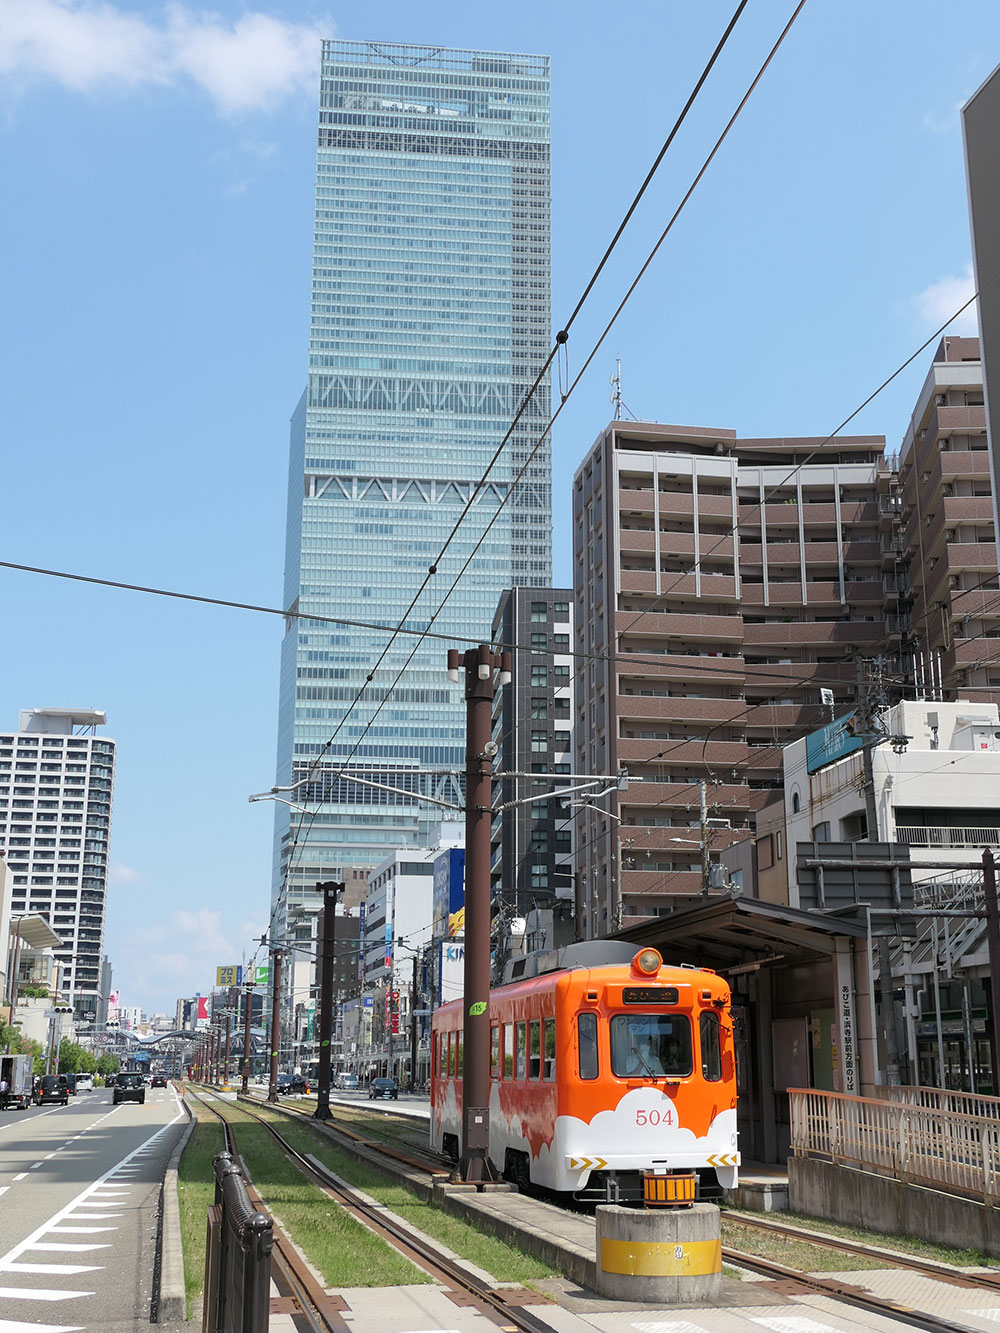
347, 1082
292, 1083
50, 1089
129, 1087
383, 1087
158, 1081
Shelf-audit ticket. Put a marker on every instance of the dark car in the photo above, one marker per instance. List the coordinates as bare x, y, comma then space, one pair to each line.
158, 1081
51, 1089
129, 1087
291, 1083
70, 1081
383, 1087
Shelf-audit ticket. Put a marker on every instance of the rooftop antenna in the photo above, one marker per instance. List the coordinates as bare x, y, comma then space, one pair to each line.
616, 388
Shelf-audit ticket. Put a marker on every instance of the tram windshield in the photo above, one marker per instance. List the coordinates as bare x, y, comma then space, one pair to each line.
650, 1046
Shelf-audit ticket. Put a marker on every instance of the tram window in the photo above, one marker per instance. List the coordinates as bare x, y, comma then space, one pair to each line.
459, 1037
451, 1054
651, 1046
495, 1051
549, 1047
586, 1026
521, 1052
508, 1050
535, 1049
436, 1054
711, 1048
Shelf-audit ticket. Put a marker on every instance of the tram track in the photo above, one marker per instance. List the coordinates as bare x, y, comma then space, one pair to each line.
502, 1308
510, 1317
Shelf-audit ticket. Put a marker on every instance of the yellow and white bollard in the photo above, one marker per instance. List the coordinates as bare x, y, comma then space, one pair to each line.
669, 1255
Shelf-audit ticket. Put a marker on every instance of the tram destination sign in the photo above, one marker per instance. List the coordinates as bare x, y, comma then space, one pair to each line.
649, 995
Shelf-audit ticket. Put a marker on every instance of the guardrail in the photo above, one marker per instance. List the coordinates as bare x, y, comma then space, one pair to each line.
237, 1257
941, 1099
918, 1144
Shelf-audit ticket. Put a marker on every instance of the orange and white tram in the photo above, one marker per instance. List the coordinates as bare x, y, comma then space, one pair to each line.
599, 1070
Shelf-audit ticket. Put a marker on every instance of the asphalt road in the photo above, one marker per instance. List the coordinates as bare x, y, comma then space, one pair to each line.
79, 1199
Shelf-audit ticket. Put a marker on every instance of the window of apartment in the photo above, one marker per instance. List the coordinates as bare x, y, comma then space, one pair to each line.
539, 840
539, 643
540, 741
539, 877
560, 610
540, 675
561, 673
560, 643
821, 832
561, 707
539, 708
539, 611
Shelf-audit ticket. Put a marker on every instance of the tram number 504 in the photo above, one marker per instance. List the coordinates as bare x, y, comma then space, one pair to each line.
643, 1117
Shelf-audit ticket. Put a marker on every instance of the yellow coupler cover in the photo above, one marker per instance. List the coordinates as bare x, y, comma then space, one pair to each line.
670, 1255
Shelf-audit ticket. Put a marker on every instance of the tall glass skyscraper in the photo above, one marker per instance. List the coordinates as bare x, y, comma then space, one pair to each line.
430, 318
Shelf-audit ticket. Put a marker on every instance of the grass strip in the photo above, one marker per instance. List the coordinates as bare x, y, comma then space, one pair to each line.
195, 1193
792, 1252
925, 1249
344, 1251
505, 1263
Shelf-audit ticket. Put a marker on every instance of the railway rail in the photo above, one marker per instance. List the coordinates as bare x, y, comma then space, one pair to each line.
501, 1307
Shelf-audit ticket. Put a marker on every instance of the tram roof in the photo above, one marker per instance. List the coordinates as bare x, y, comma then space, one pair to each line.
726, 932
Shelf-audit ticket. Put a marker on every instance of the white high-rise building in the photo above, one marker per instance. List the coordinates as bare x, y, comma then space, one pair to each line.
56, 784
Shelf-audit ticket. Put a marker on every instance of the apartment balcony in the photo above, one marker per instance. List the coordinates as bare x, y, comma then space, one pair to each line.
784, 677
679, 709
723, 669
966, 463
634, 752
639, 883
956, 509
637, 539
779, 716
970, 555
818, 632
683, 796
681, 625
952, 836
680, 504
680, 587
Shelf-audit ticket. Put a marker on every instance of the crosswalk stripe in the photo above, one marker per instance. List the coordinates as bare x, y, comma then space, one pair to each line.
792, 1324
76, 1231
68, 1245
15, 1266
992, 1315
17, 1326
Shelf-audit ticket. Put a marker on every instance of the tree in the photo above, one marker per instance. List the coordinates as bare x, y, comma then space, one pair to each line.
108, 1064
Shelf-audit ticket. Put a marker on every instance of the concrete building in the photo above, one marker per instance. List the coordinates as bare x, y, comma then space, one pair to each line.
939, 796
400, 905
56, 787
938, 544
702, 652
430, 319
532, 844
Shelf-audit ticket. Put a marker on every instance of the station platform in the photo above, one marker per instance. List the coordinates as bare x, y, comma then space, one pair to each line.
762, 1187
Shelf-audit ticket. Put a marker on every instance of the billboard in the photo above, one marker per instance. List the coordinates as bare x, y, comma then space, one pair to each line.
831, 743
202, 1013
451, 975
229, 976
261, 975
449, 892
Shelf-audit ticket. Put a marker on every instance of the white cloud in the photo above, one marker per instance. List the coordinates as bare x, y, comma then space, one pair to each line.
123, 874
177, 957
250, 64
941, 299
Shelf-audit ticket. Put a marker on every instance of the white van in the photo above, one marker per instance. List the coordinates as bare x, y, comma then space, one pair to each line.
85, 1083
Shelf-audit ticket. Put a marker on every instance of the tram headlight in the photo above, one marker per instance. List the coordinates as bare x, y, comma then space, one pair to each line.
647, 961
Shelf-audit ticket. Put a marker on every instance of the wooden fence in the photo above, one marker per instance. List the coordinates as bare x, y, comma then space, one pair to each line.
921, 1144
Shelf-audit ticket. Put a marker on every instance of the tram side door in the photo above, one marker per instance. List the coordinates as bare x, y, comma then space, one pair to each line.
746, 1113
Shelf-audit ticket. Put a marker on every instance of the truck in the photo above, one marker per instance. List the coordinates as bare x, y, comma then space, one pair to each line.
18, 1071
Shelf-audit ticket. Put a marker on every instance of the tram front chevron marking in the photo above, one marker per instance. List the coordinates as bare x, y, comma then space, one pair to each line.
724, 1159
583, 1163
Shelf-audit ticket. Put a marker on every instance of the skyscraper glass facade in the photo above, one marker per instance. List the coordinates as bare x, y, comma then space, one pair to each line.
430, 319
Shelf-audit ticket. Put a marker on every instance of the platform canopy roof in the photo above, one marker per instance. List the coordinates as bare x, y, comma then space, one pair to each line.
728, 932
35, 931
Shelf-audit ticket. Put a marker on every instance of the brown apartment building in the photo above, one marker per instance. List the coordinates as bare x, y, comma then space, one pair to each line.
719, 583
938, 542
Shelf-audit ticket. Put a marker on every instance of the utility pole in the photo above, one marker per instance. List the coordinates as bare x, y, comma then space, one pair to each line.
413, 1025
330, 890
229, 1019
248, 1000
480, 665
272, 1091
703, 790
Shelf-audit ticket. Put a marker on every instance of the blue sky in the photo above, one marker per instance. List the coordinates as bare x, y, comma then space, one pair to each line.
155, 239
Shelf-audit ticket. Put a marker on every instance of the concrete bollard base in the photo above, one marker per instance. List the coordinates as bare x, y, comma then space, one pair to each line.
668, 1255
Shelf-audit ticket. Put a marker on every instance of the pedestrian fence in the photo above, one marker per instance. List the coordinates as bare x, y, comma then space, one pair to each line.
915, 1143
237, 1257
940, 1099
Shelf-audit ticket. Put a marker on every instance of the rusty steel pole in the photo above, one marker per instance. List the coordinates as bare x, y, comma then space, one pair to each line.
225, 1073
480, 665
248, 1001
330, 890
272, 1091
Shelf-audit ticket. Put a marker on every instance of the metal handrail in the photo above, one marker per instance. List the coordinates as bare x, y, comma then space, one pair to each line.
922, 1144
237, 1257
914, 835
940, 1099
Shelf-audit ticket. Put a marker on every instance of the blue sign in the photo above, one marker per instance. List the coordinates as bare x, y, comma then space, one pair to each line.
831, 743
449, 891
141, 1057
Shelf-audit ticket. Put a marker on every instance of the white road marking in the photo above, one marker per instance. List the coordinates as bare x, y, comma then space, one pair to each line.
675, 1326
792, 1324
34, 1166
994, 1315
67, 1245
4, 1189
77, 1231
51, 1269
37, 1294
16, 1326
19, 1176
